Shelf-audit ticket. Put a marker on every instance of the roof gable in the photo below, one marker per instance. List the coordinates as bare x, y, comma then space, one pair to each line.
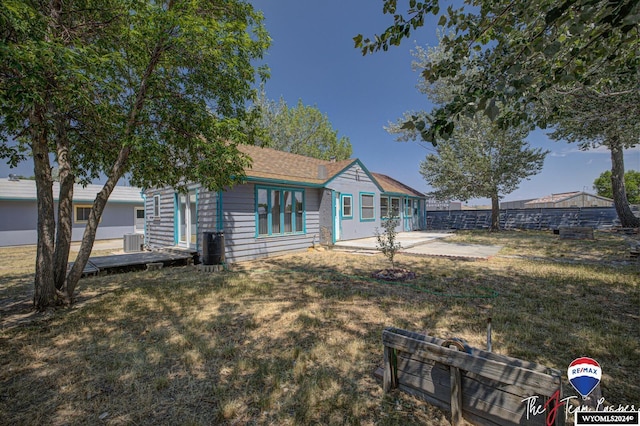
271, 164
390, 185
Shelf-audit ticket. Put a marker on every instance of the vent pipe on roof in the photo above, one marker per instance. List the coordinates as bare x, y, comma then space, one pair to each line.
322, 172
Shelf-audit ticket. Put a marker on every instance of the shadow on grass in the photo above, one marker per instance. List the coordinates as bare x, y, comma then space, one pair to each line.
295, 340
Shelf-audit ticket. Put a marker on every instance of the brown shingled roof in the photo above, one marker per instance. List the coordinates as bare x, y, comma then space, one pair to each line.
389, 184
269, 163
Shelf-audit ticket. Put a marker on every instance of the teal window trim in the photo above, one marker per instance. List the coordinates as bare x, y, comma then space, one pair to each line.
342, 206
220, 213
372, 196
384, 201
395, 211
176, 215
267, 228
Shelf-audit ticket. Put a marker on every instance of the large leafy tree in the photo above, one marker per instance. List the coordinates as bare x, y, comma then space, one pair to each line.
480, 159
524, 48
603, 187
302, 129
606, 116
153, 89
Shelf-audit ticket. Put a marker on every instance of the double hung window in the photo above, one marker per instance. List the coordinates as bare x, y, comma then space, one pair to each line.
347, 206
367, 207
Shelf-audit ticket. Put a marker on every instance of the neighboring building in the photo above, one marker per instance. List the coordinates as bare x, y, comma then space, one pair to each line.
123, 214
569, 199
518, 204
435, 205
287, 203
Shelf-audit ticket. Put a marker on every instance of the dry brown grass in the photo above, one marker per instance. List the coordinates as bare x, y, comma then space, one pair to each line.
295, 339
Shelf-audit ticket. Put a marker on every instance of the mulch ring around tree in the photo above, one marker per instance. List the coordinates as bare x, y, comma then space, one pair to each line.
396, 274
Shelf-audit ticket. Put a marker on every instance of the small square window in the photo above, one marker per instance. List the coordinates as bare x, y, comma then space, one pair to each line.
347, 206
81, 214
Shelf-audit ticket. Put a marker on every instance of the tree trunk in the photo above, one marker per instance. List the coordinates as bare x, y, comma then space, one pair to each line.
89, 236
626, 216
44, 287
65, 206
495, 213
117, 171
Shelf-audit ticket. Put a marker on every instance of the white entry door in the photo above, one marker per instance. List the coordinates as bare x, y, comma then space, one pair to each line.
336, 218
187, 220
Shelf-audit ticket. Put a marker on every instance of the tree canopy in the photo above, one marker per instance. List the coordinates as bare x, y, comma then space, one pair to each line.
602, 185
604, 116
153, 89
522, 48
480, 158
302, 129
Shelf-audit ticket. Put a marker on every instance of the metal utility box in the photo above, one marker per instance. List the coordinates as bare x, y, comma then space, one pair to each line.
133, 242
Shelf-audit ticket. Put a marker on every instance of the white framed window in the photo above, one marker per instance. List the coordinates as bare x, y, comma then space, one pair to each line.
156, 206
347, 206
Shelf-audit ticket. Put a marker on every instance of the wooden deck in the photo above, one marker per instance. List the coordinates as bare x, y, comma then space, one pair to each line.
136, 261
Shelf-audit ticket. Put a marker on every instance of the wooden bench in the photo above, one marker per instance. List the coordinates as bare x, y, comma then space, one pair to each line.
576, 233
482, 387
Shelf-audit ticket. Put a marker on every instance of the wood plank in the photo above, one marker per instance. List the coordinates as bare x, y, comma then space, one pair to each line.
417, 366
531, 381
133, 260
390, 367
478, 352
478, 400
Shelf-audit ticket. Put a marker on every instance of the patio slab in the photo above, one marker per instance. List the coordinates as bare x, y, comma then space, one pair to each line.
425, 244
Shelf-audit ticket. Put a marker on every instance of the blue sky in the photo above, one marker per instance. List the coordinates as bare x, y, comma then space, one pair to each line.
312, 58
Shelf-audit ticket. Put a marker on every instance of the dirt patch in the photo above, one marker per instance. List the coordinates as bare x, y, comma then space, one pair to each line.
394, 274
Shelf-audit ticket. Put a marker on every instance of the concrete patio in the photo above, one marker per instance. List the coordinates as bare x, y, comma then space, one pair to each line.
423, 243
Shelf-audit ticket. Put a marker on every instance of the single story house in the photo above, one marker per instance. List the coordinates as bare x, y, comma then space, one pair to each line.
123, 214
287, 203
569, 199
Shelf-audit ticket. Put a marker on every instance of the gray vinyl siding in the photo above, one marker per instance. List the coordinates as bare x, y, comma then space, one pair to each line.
354, 181
160, 231
239, 219
326, 216
20, 220
207, 214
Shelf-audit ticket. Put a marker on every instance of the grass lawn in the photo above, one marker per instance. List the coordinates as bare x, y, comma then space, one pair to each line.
296, 339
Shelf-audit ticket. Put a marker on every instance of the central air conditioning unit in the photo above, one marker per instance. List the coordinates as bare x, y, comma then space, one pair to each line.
133, 242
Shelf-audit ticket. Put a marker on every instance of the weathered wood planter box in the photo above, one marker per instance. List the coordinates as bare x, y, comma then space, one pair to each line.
482, 387
576, 233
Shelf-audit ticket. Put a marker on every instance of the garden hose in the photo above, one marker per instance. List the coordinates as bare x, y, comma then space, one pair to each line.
484, 292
